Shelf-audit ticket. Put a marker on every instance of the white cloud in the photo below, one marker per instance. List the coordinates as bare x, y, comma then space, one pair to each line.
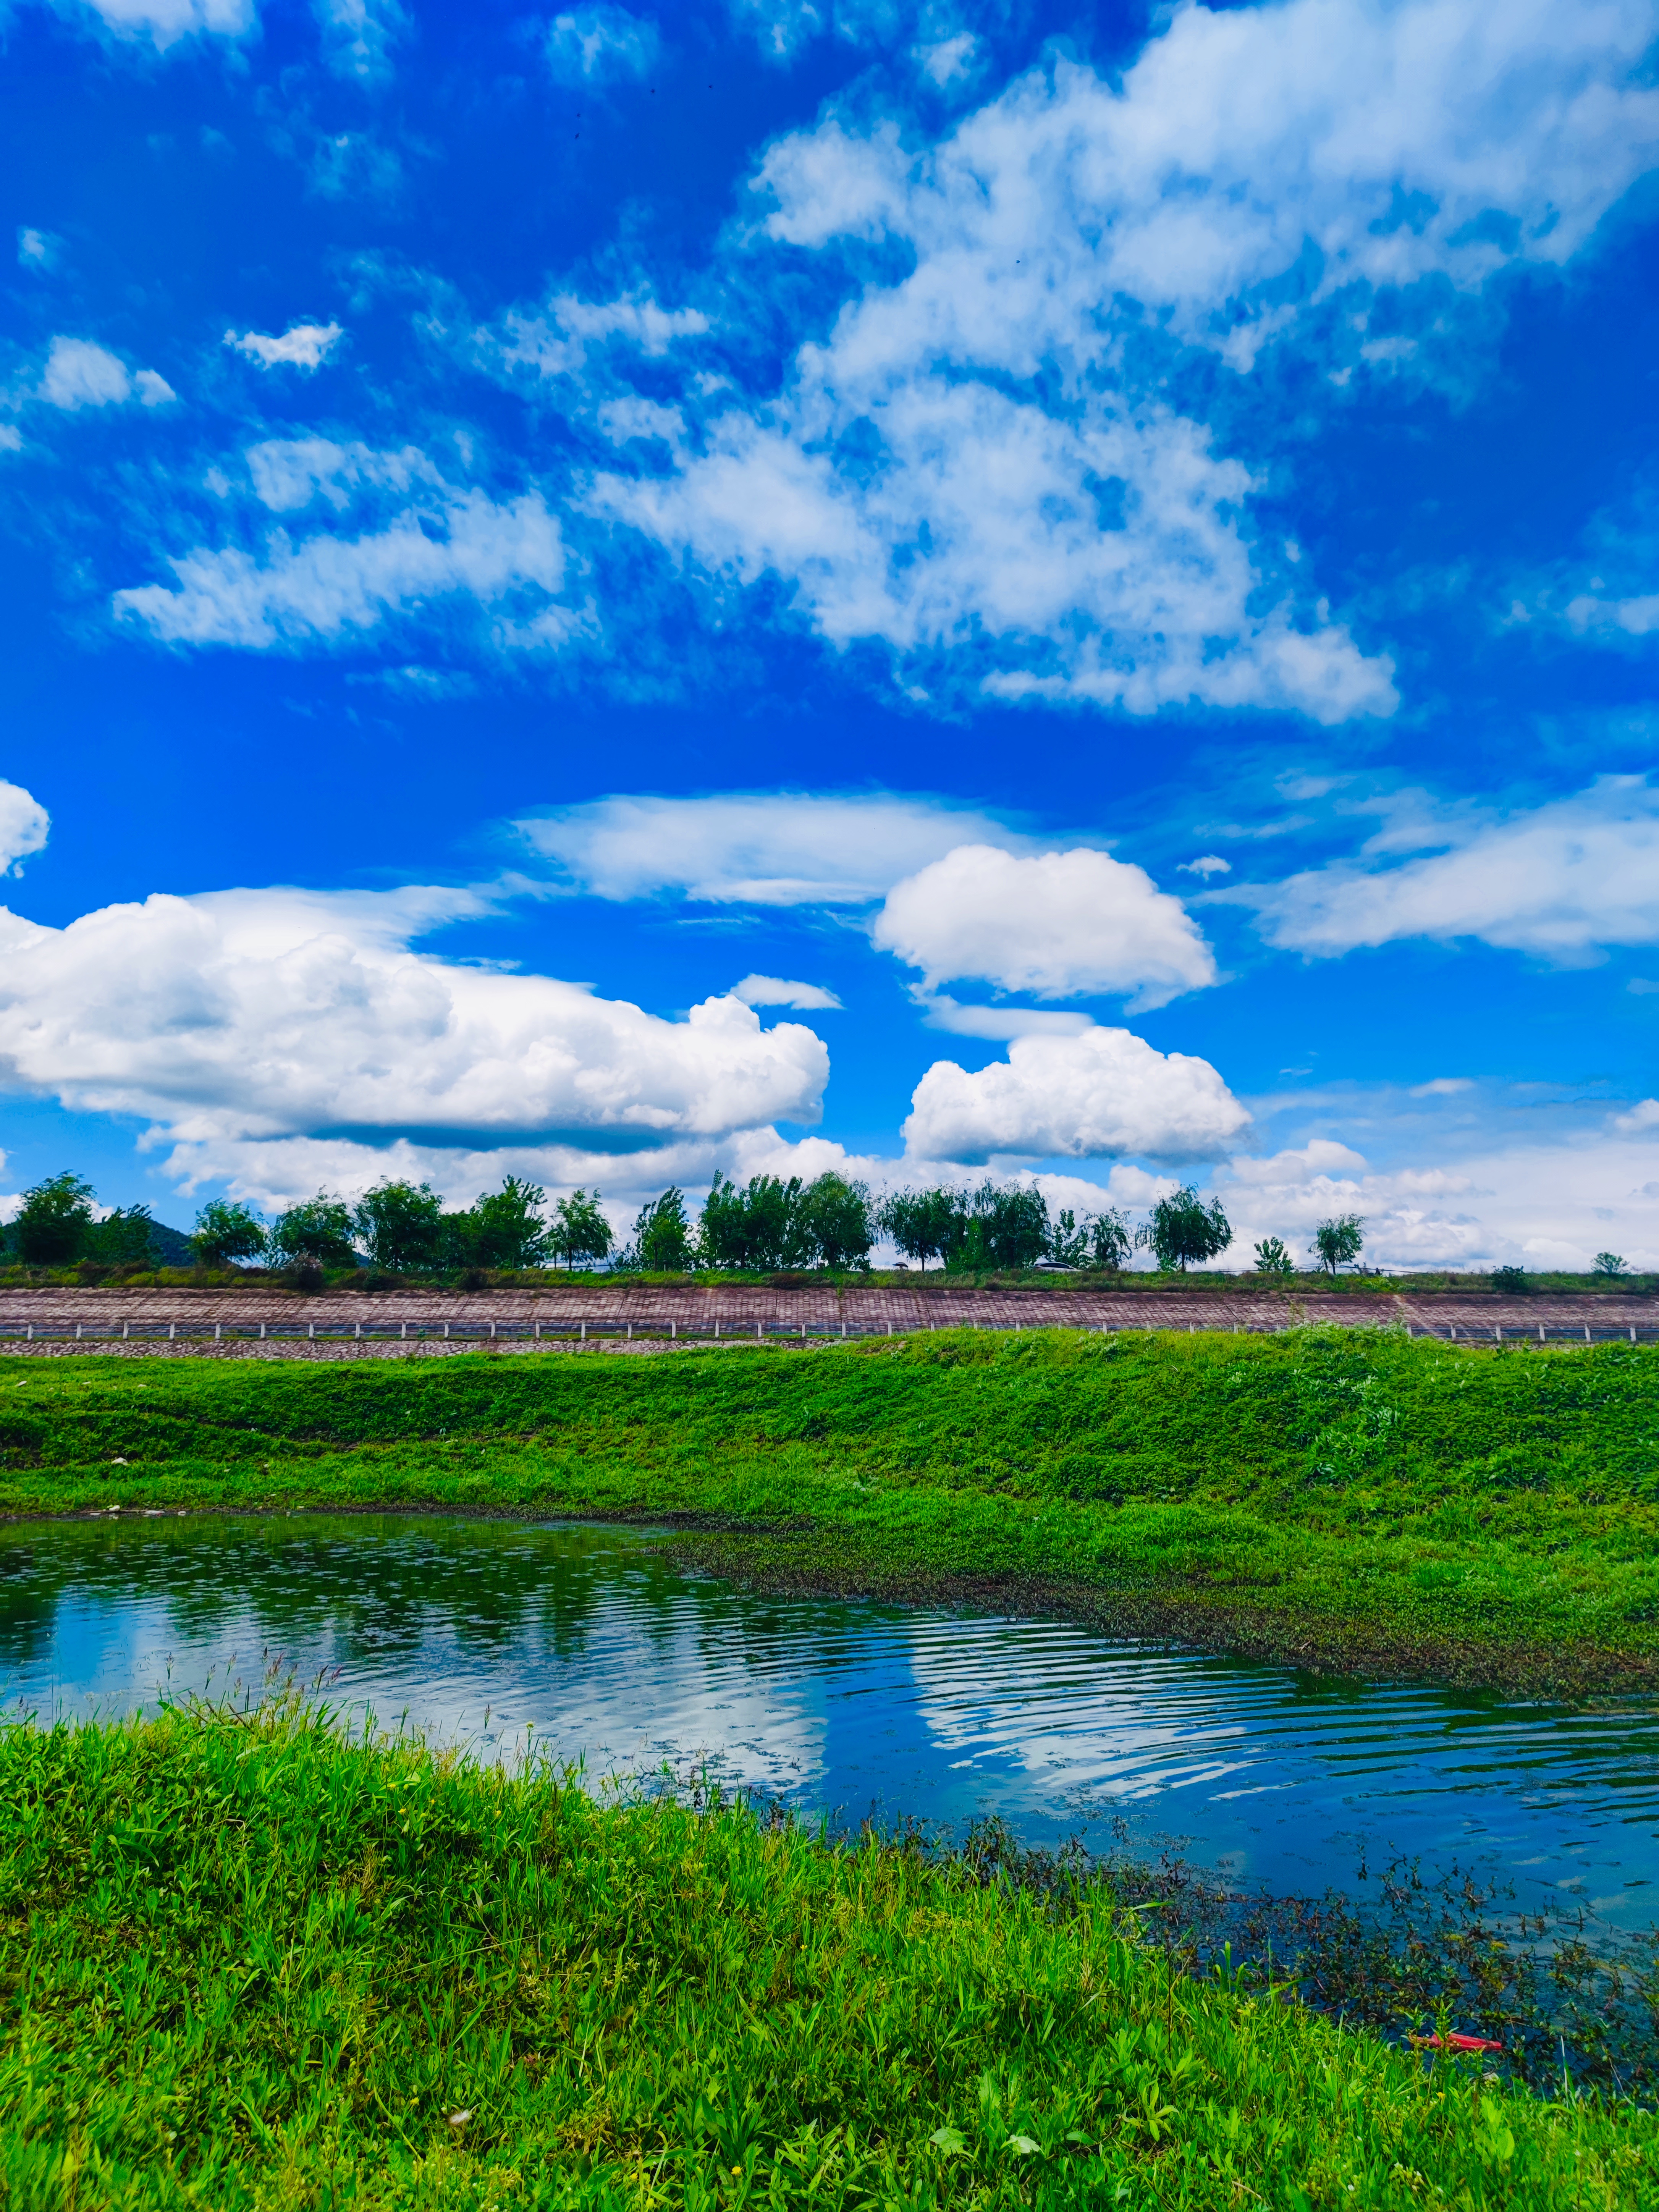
766, 848
306, 345
37, 249
1636, 616
1558, 881
1206, 865
24, 824
1533, 1205
1058, 925
1094, 557
358, 36
439, 540
776, 991
80, 374
976, 468
164, 23
260, 1014
940, 1011
559, 340
597, 44
1100, 1092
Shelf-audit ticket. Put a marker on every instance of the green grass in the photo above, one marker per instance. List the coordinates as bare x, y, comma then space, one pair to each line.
247, 1964
1348, 1497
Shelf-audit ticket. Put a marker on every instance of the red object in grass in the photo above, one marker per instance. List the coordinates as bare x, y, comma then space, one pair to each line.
1461, 2043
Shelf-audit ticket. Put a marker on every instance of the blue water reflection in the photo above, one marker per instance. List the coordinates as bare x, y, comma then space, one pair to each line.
593, 1644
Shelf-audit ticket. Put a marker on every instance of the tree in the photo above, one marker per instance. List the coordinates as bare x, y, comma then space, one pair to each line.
1068, 1245
579, 1231
1099, 1241
1339, 1242
1610, 1263
318, 1231
1272, 1257
837, 1224
225, 1232
1109, 1241
762, 1226
1007, 1227
924, 1224
54, 1223
510, 1232
662, 1235
122, 1238
1183, 1231
401, 1225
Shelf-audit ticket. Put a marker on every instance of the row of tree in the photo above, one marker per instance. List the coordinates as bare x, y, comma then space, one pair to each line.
767, 1226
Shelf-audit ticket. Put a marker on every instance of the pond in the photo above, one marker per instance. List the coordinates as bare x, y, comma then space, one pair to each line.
595, 1645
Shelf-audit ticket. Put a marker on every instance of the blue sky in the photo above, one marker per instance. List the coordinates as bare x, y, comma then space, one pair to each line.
910, 586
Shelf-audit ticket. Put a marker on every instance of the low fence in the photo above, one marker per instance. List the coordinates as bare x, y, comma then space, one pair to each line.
405, 1330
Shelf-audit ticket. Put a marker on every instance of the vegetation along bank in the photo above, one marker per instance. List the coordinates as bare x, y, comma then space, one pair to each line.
247, 1963
1343, 1498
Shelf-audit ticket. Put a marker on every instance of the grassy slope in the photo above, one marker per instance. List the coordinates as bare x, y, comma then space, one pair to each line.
251, 1965
1348, 1497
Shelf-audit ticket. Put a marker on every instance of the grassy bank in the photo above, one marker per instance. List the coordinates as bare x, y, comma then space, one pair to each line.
249, 1964
1348, 1497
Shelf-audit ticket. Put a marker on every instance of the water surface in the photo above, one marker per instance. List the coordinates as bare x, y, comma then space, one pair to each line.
593, 1644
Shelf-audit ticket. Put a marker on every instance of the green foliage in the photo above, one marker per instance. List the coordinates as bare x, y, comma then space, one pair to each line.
1513, 1280
769, 1224
1343, 1495
1006, 1227
1272, 1257
759, 1226
924, 1225
54, 1222
250, 1965
578, 1230
123, 1238
1100, 1241
1610, 1263
838, 1222
1339, 1242
1183, 1231
504, 1230
225, 1232
317, 1232
662, 1236
400, 1225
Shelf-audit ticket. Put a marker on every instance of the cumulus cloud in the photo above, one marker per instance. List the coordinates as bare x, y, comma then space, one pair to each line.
24, 824
1058, 925
764, 849
79, 373
434, 539
1559, 881
1089, 1096
306, 345
776, 991
600, 44
241, 1015
1533, 1205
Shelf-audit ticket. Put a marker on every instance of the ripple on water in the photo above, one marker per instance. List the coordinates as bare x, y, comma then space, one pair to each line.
478, 1632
